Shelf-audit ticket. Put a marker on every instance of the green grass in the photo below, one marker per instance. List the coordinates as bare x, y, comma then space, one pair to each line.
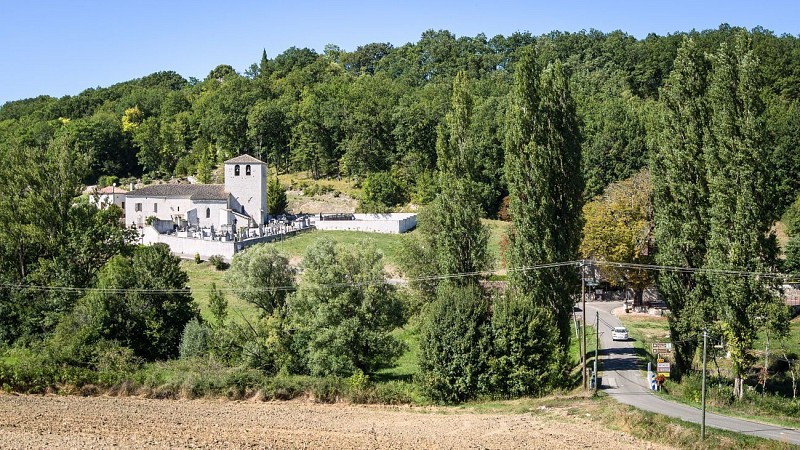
200, 278
389, 244
497, 231
790, 343
408, 364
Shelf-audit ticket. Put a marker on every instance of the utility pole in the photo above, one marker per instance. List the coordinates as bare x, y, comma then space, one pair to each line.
596, 345
583, 331
703, 422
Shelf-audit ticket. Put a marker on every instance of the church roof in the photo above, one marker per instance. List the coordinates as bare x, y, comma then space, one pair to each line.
190, 191
244, 159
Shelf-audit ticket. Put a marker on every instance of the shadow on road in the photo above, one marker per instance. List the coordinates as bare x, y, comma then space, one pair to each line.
622, 358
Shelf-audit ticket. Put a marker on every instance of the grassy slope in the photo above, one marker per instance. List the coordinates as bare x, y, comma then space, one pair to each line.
200, 278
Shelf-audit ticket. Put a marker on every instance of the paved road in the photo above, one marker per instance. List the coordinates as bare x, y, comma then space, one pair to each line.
625, 382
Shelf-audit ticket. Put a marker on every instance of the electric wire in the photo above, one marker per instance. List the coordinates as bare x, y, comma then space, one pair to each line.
437, 277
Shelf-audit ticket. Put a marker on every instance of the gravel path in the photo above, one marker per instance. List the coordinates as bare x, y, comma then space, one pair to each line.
127, 422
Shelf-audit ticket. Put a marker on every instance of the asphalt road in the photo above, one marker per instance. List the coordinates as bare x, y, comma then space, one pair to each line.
626, 382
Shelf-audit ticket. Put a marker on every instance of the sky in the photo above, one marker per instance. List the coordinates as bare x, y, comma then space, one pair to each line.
62, 48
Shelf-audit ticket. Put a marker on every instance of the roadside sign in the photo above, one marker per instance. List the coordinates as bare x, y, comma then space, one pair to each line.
662, 368
662, 347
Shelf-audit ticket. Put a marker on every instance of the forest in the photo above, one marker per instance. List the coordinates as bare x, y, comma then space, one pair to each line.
556, 132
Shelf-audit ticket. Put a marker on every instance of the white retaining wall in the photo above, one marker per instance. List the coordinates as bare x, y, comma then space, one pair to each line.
190, 246
392, 223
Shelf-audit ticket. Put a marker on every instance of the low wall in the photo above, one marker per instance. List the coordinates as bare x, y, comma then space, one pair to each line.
392, 223
206, 248
190, 246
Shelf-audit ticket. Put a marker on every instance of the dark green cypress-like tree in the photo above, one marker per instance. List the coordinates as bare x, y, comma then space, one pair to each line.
451, 233
743, 202
542, 168
454, 148
680, 199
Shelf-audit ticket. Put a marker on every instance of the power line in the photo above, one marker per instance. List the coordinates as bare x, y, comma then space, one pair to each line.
535, 267
280, 288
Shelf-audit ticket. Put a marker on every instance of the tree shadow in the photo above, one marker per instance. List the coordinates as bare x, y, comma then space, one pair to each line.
623, 358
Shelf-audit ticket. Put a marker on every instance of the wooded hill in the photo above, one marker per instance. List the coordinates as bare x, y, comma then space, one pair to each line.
376, 110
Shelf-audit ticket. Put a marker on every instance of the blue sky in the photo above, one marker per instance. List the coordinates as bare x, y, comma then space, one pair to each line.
60, 48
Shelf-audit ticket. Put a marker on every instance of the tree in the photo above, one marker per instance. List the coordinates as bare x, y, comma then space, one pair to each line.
527, 358
743, 198
142, 302
455, 344
263, 277
41, 227
618, 227
381, 193
452, 239
268, 130
218, 305
542, 151
131, 119
343, 311
453, 145
681, 200
276, 197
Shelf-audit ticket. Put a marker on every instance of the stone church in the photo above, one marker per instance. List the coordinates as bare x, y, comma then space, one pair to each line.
240, 202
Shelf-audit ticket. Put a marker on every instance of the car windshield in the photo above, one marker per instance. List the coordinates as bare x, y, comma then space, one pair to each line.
620, 330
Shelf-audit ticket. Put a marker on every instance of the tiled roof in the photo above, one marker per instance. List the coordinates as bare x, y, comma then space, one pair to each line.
190, 191
112, 190
244, 159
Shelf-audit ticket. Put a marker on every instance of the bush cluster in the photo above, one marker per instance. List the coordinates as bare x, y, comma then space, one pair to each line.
218, 261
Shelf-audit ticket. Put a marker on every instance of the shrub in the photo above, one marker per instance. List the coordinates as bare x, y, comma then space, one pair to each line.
454, 345
218, 306
791, 218
197, 258
527, 358
194, 340
396, 393
106, 180
276, 197
382, 191
218, 261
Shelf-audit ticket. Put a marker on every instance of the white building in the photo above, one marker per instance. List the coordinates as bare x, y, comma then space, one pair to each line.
240, 202
107, 196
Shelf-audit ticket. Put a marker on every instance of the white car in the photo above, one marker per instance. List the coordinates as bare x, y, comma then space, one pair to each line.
619, 334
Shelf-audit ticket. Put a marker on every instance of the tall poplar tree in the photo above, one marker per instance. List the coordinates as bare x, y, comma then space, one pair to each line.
680, 199
542, 168
454, 349
743, 197
450, 226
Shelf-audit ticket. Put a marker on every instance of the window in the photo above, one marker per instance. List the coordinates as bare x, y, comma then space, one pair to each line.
137, 207
155, 207
236, 170
247, 169
208, 210
123, 206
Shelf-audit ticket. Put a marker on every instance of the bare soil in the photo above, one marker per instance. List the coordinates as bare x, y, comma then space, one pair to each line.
101, 422
326, 203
